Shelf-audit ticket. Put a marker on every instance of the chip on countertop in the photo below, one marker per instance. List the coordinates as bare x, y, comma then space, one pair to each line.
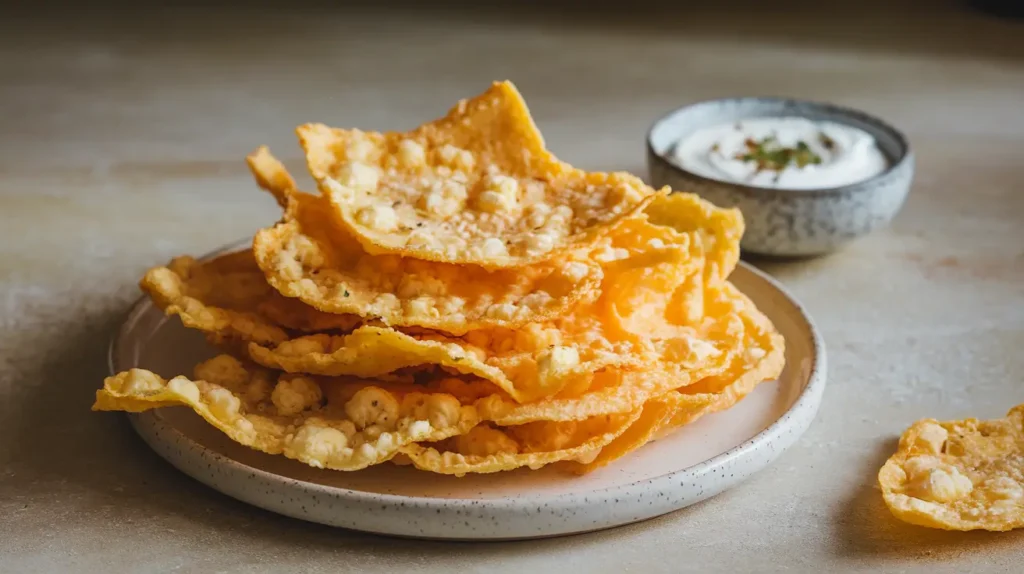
291, 415
475, 187
959, 475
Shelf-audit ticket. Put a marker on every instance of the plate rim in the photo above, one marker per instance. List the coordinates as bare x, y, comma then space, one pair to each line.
806, 403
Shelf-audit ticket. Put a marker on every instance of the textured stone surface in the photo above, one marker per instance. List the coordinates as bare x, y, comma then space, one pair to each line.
122, 144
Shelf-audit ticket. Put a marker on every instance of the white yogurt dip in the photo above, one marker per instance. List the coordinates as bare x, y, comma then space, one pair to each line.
781, 152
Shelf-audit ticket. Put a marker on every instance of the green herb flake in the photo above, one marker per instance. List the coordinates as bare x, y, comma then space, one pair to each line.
769, 155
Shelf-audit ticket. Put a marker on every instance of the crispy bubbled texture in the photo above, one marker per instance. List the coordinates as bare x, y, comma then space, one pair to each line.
292, 418
474, 187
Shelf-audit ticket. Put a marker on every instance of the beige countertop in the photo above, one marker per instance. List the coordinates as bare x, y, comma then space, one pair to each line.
122, 142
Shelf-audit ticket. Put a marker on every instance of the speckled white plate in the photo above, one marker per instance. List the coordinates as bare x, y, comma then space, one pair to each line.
701, 460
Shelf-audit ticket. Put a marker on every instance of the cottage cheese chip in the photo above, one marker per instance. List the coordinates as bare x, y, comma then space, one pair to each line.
693, 354
959, 475
271, 175
229, 298
762, 360
308, 256
372, 351
291, 415
486, 449
476, 186
297, 316
720, 230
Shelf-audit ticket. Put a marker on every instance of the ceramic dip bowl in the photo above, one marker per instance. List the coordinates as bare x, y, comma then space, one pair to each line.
781, 221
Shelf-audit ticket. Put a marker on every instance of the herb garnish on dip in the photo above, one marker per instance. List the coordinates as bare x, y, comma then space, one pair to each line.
782, 152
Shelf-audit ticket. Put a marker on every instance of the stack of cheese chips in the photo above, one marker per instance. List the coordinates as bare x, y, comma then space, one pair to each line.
458, 299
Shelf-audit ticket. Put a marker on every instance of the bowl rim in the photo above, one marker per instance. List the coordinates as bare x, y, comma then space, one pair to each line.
906, 157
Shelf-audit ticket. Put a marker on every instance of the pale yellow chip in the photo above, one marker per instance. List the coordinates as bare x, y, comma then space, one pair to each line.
292, 416
959, 475
476, 186
228, 298
486, 449
308, 256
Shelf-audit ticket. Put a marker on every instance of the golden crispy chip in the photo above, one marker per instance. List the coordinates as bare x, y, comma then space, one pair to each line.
228, 298
476, 186
309, 257
290, 416
762, 360
218, 297
640, 311
653, 416
370, 351
271, 175
959, 475
720, 230
742, 331
297, 316
486, 449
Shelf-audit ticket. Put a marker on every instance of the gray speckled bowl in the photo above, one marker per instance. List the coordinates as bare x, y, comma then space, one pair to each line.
782, 221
